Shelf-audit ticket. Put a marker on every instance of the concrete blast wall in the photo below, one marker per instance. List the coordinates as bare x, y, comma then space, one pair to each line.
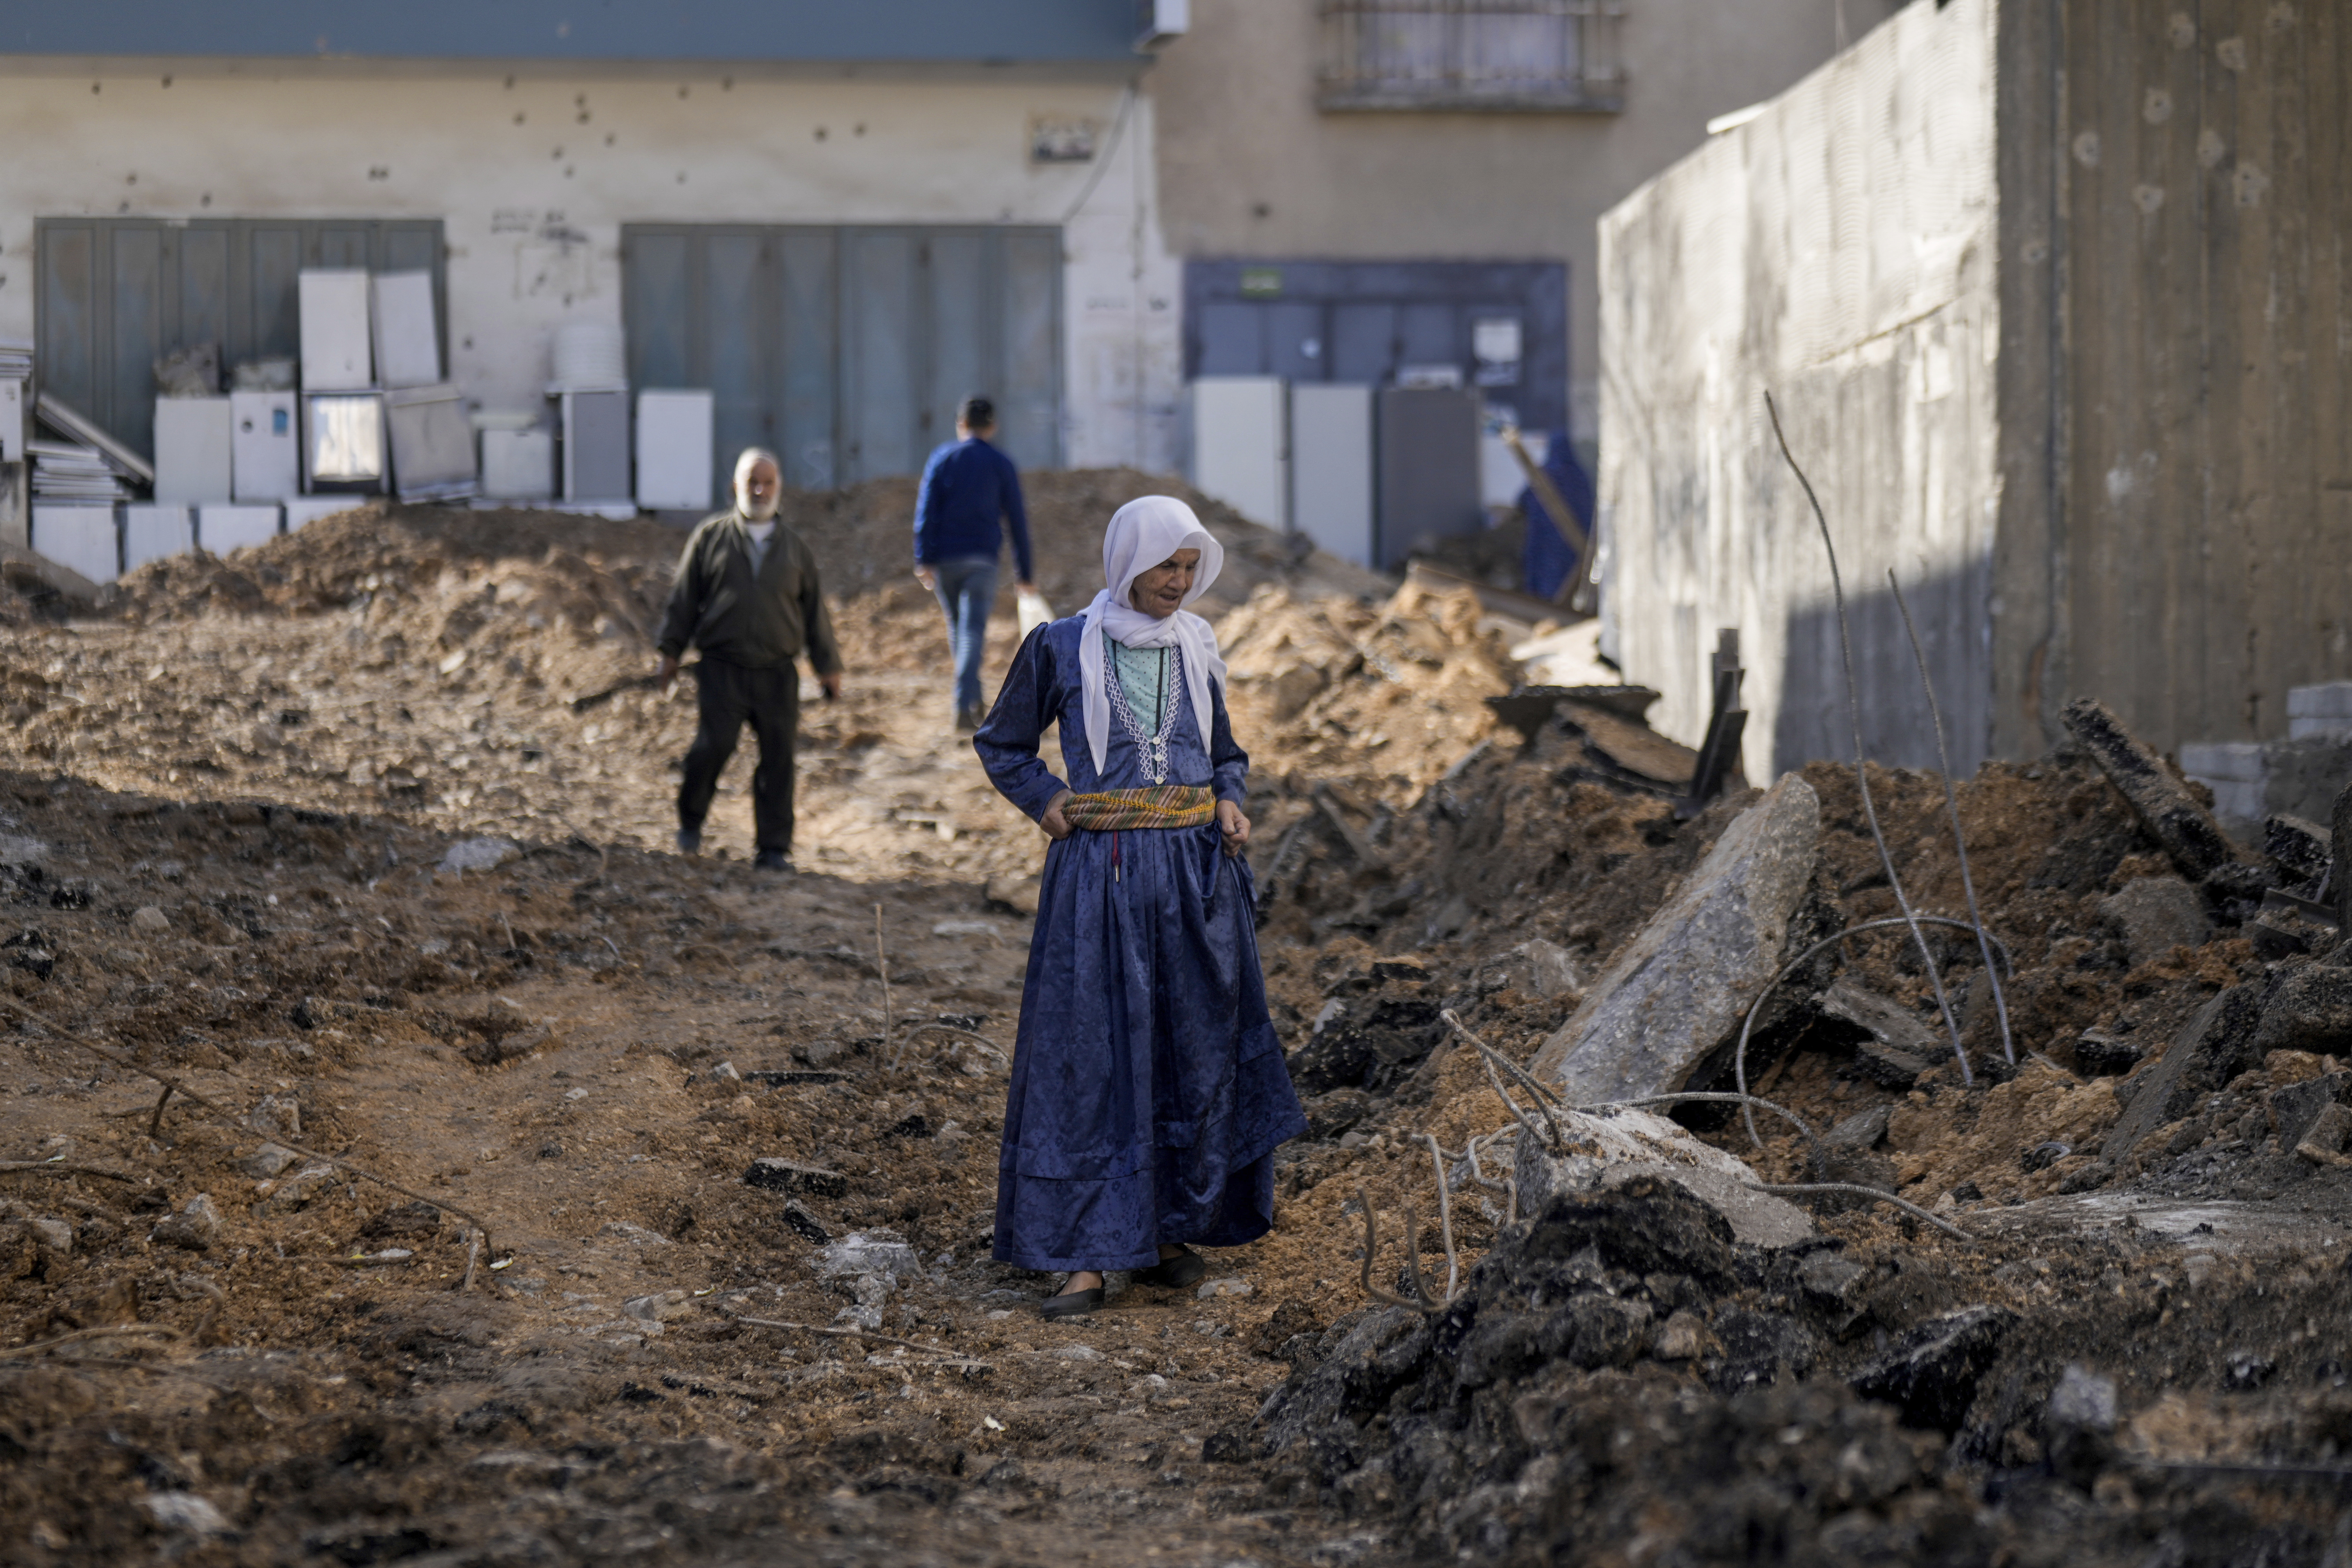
1838, 251
2057, 301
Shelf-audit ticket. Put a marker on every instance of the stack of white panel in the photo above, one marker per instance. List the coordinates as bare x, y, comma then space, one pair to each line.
195, 447
432, 442
674, 460
1331, 495
221, 529
265, 446
336, 330
16, 369
343, 441
405, 329
519, 465
79, 538
303, 511
1241, 448
154, 533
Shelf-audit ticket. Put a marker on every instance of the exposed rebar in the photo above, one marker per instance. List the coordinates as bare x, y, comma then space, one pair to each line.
1952, 805
1886, 1197
1740, 1056
882, 966
1489, 1055
1444, 1215
1861, 763
1412, 1264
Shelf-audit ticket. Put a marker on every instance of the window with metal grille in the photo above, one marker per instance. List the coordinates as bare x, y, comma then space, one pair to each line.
1494, 54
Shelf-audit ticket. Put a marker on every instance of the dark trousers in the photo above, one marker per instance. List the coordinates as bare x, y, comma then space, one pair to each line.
770, 701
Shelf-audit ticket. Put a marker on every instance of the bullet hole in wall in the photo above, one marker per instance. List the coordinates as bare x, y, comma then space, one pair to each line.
468, 344
820, 132
205, 200
557, 155
167, 81
511, 83
379, 171
581, 99
93, 86
727, 84
610, 138
857, 130
131, 179
681, 91
567, 171
583, 118
1260, 209
681, 176
517, 116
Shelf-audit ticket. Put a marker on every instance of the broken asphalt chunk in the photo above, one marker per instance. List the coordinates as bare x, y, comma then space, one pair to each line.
1677, 992
1896, 1047
1931, 1373
2154, 915
2212, 1049
2161, 802
2295, 1109
780, 1176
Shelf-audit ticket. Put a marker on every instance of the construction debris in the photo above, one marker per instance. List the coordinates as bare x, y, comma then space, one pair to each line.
1678, 992
743, 1203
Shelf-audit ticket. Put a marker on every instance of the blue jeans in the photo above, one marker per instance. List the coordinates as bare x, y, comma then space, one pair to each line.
967, 587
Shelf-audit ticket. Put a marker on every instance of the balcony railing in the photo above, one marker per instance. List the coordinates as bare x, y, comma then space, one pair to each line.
1505, 56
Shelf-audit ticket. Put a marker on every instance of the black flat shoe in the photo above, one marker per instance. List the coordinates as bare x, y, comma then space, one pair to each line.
1172, 1272
1072, 1303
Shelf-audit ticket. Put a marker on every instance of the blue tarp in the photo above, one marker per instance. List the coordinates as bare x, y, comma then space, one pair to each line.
1550, 558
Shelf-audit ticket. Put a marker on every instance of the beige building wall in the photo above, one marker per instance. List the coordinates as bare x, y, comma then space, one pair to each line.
1250, 168
533, 173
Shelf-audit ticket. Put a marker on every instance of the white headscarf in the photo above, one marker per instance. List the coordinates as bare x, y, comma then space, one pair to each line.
1145, 533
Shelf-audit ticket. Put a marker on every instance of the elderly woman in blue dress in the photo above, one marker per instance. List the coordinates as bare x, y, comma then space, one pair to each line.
1149, 1090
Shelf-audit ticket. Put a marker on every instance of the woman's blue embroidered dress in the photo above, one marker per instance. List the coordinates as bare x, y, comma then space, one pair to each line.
1149, 1090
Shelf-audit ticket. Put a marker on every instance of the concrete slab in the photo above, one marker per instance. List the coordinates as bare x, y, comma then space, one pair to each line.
1680, 988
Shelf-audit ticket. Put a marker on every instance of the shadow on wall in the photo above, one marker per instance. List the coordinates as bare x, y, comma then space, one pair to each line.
1949, 609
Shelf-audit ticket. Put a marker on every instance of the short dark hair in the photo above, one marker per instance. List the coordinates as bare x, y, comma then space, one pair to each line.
977, 414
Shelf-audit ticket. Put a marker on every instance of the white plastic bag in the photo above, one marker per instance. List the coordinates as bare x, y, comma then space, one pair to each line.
1034, 611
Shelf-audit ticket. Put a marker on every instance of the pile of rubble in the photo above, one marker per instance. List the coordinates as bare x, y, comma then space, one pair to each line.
1661, 1352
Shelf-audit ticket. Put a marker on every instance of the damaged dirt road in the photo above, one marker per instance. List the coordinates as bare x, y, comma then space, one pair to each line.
318, 833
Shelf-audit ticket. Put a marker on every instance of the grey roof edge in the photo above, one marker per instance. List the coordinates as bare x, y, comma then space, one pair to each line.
1105, 71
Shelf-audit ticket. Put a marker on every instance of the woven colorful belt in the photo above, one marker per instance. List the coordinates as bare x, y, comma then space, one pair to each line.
1162, 806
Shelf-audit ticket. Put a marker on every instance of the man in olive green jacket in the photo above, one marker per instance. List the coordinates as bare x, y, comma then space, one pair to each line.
747, 595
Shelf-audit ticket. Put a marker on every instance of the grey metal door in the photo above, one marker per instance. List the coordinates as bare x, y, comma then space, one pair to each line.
1364, 323
112, 296
847, 349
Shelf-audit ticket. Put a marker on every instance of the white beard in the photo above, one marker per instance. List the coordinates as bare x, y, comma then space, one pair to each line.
760, 513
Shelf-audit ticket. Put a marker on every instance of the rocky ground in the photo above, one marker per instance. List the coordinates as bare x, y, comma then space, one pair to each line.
319, 832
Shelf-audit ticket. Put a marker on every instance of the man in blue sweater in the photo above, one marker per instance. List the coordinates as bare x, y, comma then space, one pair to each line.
968, 490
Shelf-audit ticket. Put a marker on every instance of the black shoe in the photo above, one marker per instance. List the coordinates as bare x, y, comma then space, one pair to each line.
771, 860
689, 841
1072, 1303
968, 720
1172, 1272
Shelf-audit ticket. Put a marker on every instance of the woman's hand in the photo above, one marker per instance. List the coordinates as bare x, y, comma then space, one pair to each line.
1234, 825
1057, 823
